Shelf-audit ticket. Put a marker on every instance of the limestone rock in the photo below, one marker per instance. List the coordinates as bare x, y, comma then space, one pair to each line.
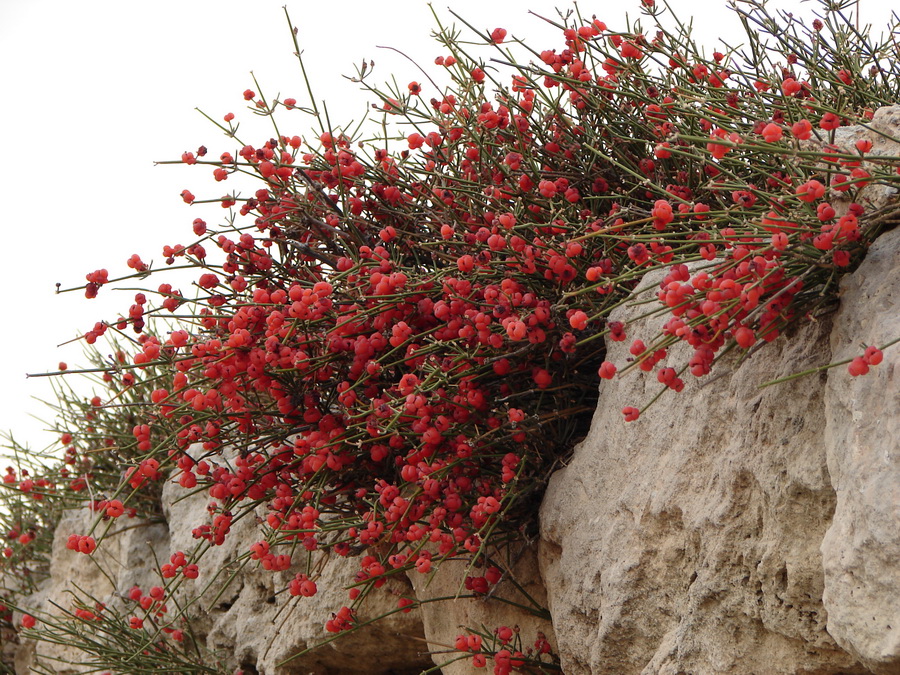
243, 616
446, 619
861, 548
734, 529
884, 133
248, 614
126, 559
687, 541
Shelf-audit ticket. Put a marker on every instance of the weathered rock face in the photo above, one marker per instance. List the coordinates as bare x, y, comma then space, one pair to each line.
256, 620
9, 640
518, 601
242, 615
861, 549
126, 559
735, 529
247, 621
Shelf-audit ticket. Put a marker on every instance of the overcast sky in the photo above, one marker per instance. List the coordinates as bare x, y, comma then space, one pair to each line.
94, 92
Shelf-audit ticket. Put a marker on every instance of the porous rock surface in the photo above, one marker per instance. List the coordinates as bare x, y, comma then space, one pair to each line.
516, 602
244, 616
248, 612
861, 549
734, 529
9, 640
126, 559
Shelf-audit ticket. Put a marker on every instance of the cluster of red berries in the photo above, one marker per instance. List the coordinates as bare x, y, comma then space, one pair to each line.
505, 655
152, 606
178, 562
860, 365
81, 544
341, 621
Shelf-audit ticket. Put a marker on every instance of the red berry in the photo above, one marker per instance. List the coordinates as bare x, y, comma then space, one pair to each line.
858, 366
873, 356
772, 133
607, 370
810, 191
744, 337
516, 330
802, 130
790, 87
829, 122
631, 50
578, 320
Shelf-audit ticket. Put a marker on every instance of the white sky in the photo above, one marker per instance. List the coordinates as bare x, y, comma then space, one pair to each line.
95, 91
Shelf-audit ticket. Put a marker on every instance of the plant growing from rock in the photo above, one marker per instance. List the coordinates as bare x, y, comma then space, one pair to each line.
392, 340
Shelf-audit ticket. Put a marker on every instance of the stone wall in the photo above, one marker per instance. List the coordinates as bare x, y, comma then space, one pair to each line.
241, 614
735, 529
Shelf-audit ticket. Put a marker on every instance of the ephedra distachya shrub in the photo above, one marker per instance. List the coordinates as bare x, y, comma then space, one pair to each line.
391, 341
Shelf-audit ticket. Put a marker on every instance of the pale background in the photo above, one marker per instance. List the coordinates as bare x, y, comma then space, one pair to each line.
94, 92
